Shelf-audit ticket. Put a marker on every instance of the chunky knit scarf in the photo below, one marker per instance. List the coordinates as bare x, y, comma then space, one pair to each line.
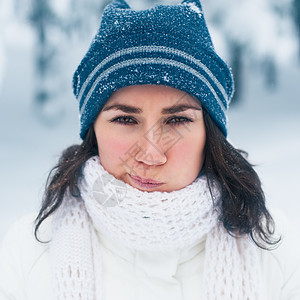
156, 221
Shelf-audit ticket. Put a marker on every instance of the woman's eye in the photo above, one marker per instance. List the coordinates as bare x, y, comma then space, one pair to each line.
178, 121
124, 120
173, 121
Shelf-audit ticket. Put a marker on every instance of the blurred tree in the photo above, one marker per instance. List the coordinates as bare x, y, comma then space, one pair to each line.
270, 70
257, 31
42, 18
55, 24
296, 16
236, 51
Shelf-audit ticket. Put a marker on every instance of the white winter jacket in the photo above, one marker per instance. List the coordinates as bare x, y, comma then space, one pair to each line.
132, 275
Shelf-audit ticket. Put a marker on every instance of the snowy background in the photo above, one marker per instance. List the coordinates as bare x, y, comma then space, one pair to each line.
39, 118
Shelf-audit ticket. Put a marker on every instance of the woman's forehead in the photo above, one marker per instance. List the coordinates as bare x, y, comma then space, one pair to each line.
161, 95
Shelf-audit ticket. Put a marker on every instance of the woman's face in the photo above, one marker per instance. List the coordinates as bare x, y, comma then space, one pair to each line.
151, 137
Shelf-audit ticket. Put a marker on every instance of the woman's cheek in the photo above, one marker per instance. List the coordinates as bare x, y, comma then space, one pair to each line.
117, 147
187, 154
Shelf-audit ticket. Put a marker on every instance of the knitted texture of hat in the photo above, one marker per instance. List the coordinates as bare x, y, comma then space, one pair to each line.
165, 45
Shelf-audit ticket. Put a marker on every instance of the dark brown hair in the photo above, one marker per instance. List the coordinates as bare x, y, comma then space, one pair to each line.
242, 208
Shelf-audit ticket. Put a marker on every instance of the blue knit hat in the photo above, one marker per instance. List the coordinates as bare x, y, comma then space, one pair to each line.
165, 45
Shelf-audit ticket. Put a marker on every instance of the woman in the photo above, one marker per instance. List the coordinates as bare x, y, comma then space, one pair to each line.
155, 203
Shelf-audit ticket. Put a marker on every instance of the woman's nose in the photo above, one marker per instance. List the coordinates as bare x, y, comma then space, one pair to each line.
151, 150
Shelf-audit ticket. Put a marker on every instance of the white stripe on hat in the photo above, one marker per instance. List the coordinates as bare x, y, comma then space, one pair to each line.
146, 61
163, 49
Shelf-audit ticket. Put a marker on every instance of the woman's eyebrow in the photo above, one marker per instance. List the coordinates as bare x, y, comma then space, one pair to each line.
178, 108
136, 110
124, 108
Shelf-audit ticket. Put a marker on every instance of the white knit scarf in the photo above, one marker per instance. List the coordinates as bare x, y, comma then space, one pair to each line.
151, 221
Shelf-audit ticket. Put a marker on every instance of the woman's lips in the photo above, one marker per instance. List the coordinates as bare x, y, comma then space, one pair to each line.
145, 182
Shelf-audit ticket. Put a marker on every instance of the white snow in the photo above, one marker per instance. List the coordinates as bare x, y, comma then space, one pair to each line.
195, 8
